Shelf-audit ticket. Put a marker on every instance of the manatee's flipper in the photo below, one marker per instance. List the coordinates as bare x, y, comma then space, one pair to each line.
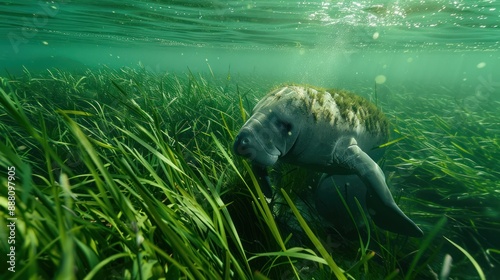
381, 206
262, 177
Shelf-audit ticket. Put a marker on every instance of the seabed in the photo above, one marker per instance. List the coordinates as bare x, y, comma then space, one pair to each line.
129, 174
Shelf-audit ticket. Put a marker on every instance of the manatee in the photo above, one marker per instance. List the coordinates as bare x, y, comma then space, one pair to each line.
328, 131
329, 198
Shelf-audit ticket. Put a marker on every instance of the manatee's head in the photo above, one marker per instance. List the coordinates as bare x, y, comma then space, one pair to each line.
270, 132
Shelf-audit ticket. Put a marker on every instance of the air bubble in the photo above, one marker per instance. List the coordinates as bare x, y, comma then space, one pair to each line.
380, 79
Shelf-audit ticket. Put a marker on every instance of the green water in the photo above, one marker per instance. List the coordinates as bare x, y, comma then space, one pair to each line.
327, 43
434, 64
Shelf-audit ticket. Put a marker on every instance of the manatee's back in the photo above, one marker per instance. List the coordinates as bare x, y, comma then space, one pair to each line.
346, 113
370, 125
339, 111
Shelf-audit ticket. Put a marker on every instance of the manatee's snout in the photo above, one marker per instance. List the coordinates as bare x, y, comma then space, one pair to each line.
243, 145
256, 144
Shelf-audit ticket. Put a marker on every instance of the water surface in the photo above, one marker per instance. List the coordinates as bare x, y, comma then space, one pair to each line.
319, 42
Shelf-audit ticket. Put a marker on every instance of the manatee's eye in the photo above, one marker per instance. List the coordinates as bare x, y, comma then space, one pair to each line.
284, 127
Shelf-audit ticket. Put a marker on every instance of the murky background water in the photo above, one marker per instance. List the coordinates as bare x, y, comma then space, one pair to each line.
443, 55
328, 43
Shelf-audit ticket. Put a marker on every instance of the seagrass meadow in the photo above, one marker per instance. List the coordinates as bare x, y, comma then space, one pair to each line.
129, 174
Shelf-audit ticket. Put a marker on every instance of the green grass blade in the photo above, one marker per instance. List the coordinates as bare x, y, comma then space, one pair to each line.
471, 259
425, 245
317, 243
